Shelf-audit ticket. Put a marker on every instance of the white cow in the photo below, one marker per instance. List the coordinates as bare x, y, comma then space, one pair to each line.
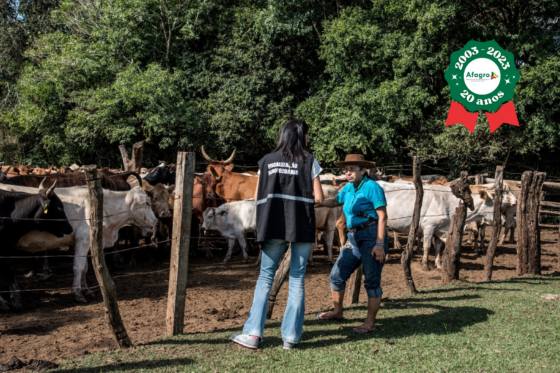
332, 179
508, 208
438, 206
119, 209
325, 221
233, 220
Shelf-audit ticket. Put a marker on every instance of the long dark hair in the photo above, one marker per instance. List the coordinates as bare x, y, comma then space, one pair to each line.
292, 141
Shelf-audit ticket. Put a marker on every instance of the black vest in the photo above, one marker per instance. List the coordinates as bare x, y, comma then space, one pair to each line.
285, 202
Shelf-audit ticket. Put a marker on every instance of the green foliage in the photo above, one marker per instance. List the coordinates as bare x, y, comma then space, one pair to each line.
385, 92
366, 75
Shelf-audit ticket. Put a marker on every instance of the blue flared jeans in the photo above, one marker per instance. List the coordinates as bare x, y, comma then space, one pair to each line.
292, 324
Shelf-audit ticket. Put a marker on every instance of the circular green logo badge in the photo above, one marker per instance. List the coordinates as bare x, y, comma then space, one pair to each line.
482, 76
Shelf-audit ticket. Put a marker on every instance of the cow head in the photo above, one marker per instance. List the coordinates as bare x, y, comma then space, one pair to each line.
484, 197
141, 208
488, 191
159, 197
216, 168
23, 169
215, 218
208, 183
159, 175
50, 216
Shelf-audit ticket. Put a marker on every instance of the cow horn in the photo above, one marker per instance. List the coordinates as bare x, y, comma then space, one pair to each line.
42, 185
51, 190
206, 155
230, 159
7, 170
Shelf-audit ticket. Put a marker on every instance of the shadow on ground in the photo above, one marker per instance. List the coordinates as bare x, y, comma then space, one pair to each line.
132, 366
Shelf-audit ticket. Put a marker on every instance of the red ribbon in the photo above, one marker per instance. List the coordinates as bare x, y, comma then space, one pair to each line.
458, 114
506, 114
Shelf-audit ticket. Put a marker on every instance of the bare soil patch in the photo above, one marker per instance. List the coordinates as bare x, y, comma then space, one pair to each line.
53, 327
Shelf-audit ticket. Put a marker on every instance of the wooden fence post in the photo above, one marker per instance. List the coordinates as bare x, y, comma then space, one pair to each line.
452, 253
354, 286
279, 278
479, 179
541, 198
529, 235
407, 253
558, 254
496, 224
135, 163
182, 216
106, 283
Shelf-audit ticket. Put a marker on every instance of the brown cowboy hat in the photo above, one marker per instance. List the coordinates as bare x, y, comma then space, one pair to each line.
355, 159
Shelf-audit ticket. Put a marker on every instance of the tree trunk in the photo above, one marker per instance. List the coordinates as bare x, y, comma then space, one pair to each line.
478, 179
407, 253
135, 163
496, 224
529, 240
137, 156
452, 253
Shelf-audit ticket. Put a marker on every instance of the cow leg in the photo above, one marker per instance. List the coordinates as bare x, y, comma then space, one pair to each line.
80, 269
46, 270
396, 243
419, 243
438, 245
503, 235
481, 235
3, 304
9, 273
329, 239
427, 245
243, 244
85, 289
133, 242
310, 258
231, 244
207, 247
36, 268
474, 233
512, 229
258, 261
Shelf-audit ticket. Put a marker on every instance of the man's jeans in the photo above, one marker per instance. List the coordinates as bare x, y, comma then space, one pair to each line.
292, 325
348, 262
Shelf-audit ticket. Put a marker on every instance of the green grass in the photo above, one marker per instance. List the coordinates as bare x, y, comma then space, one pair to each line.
489, 327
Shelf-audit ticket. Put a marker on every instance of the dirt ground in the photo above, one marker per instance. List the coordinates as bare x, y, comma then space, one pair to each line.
53, 327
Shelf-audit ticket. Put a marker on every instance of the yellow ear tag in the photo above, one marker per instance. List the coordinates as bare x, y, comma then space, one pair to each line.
46, 210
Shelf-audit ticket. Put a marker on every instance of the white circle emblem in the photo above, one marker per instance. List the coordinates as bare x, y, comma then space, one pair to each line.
482, 76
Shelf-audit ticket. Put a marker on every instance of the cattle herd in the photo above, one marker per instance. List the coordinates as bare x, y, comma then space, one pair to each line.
47, 209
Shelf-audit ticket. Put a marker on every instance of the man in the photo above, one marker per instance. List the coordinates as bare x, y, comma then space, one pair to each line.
364, 205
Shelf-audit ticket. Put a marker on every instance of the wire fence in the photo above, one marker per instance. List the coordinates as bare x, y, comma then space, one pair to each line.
89, 287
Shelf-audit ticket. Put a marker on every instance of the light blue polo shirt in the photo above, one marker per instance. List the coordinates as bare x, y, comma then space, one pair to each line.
368, 197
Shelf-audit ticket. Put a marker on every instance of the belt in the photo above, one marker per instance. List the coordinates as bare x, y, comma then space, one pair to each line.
365, 225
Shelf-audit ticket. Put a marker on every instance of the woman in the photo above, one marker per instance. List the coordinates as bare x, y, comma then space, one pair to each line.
287, 190
366, 216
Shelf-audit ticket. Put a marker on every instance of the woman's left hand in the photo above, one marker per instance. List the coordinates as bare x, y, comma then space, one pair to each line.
378, 253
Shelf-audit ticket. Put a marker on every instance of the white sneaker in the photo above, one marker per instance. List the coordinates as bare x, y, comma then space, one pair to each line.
288, 345
249, 341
